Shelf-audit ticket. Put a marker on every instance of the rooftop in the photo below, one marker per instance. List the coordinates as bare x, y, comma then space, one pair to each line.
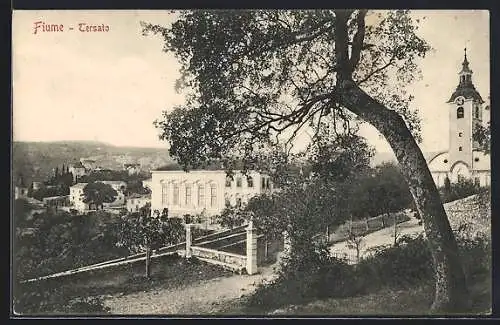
138, 196
79, 185
77, 165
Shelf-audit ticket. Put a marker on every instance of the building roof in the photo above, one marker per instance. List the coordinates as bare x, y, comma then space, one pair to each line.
139, 196
33, 201
55, 197
113, 182
79, 185
77, 165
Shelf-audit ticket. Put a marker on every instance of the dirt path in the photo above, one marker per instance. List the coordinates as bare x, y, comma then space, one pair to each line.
201, 298
380, 237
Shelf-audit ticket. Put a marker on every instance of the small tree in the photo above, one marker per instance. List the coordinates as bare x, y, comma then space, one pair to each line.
143, 231
98, 193
356, 242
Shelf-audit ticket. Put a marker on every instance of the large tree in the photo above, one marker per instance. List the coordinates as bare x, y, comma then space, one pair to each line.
98, 193
255, 77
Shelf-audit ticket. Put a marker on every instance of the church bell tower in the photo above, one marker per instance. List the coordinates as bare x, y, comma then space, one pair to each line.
465, 113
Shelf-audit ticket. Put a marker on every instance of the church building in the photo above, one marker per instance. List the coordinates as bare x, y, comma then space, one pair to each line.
463, 159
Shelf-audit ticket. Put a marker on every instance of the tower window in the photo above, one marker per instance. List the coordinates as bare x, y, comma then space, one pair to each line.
460, 134
459, 148
250, 181
238, 182
460, 112
477, 112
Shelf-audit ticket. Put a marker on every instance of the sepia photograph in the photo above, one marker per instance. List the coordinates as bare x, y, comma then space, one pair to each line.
263, 163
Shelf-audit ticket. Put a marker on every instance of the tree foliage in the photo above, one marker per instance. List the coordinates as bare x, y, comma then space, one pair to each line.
482, 134
259, 77
252, 87
98, 193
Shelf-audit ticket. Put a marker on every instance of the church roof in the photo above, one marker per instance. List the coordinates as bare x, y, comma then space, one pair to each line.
466, 92
465, 87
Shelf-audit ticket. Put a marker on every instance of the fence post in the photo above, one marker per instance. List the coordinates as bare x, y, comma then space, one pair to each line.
188, 240
251, 249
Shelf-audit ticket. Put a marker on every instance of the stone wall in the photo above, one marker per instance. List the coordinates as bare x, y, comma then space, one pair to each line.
239, 261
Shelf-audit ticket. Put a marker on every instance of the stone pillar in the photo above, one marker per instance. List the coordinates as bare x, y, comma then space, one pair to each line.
251, 249
188, 240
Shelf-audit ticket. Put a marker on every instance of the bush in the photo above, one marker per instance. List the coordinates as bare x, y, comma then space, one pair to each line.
306, 274
462, 189
407, 263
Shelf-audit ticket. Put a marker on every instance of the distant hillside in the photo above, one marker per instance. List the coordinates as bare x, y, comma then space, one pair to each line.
35, 160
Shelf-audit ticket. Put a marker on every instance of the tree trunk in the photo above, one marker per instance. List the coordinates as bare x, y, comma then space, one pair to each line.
395, 230
148, 262
451, 291
266, 250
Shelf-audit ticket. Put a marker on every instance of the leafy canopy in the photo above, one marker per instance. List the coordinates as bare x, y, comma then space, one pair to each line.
255, 78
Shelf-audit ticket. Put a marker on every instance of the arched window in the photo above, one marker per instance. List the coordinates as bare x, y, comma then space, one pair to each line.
176, 194
460, 112
201, 196
188, 195
477, 111
238, 182
238, 202
213, 195
250, 181
164, 193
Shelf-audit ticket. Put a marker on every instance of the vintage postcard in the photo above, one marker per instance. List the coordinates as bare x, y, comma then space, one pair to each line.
208, 163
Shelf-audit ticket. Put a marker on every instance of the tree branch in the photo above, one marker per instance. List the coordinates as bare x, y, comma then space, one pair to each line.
385, 66
358, 39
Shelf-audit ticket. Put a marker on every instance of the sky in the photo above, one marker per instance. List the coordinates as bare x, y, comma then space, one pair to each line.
111, 86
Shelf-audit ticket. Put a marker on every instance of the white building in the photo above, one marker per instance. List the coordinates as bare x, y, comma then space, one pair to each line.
76, 197
132, 169
203, 191
89, 164
467, 110
147, 183
137, 201
77, 170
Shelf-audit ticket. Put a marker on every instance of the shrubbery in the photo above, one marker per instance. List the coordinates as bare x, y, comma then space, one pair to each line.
459, 190
316, 275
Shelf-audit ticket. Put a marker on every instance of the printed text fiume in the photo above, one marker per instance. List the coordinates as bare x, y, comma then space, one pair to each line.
42, 27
